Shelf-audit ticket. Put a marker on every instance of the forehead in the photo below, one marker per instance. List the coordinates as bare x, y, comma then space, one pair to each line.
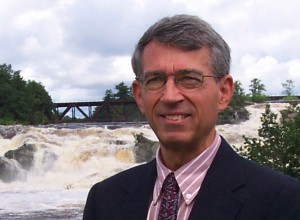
167, 58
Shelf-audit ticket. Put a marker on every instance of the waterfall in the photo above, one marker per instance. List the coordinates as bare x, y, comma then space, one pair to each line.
69, 159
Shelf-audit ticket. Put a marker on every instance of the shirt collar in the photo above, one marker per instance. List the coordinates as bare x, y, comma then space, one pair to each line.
190, 176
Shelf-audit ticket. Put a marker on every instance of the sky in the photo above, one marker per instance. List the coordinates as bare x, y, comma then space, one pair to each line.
78, 49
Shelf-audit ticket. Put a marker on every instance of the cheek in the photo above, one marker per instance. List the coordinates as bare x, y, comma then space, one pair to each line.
206, 103
148, 103
149, 106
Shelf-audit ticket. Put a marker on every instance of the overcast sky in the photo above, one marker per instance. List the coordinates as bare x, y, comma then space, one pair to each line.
78, 49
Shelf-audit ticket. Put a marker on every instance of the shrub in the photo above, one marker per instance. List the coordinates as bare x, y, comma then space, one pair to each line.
278, 144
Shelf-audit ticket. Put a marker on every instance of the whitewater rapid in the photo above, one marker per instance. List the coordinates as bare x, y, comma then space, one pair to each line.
81, 155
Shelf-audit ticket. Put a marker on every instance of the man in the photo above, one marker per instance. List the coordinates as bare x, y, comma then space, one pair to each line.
182, 81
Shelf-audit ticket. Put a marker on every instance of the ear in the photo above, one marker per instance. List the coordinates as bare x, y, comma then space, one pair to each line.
226, 92
137, 94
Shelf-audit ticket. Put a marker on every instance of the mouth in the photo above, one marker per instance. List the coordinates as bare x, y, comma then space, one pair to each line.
175, 117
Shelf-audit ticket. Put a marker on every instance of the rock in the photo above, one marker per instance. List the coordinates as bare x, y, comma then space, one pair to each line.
8, 132
11, 170
24, 155
233, 116
113, 127
242, 114
49, 159
288, 115
118, 142
144, 149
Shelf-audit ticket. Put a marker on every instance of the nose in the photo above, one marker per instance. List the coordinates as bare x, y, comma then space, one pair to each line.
171, 93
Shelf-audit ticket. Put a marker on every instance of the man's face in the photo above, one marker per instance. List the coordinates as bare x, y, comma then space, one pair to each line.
182, 118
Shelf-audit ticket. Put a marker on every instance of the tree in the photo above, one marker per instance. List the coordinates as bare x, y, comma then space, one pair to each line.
109, 96
236, 110
288, 90
21, 101
5, 92
278, 144
113, 109
257, 88
41, 103
288, 87
123, 92
239, 96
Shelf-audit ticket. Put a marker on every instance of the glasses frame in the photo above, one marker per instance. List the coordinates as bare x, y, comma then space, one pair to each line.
176, 81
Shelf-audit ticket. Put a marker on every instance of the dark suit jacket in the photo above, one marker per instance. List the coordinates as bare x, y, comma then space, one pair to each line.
234, 188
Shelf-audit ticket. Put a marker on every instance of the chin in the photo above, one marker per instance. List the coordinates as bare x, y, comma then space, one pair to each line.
174, 142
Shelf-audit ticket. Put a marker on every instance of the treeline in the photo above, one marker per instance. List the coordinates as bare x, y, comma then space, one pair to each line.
119, 105
27, 102
257, 92
23, 102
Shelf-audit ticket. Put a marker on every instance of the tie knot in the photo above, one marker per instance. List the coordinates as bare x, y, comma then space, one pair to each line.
170, 184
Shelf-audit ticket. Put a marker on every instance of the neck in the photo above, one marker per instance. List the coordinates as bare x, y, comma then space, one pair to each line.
175, 155
174, 159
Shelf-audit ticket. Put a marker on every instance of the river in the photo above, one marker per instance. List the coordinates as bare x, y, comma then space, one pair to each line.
80, 155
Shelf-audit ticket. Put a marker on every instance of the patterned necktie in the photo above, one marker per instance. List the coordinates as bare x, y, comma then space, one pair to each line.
169, 204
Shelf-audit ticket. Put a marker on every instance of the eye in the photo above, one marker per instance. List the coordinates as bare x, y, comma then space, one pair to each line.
189, 80
154, 79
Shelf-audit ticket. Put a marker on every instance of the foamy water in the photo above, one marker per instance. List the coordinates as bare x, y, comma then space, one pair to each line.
233, 132
69, 161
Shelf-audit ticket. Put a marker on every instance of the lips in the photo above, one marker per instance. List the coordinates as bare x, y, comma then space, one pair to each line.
175, 117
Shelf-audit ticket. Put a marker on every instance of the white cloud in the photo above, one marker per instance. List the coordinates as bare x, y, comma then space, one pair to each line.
294, 69
269, 70
78, 49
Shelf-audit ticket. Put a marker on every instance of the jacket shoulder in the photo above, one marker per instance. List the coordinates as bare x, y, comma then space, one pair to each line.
251, 171
260, 192
264, 175
115, 192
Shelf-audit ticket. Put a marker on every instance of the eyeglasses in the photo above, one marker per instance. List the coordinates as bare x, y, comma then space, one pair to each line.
182, 79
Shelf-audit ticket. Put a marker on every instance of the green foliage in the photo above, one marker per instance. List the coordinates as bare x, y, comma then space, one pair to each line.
290, 98
236, 110
288, 87
259, 98
116, 106
257, 88
7, 120
278, 144
123, 92
239, 97
109, 96
21, 101
288, 90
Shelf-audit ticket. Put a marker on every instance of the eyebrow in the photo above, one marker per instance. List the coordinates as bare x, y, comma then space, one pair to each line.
187, 71
154, 72
182, 71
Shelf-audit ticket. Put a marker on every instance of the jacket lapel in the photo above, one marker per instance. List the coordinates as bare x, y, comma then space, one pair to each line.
216, 198
135, 207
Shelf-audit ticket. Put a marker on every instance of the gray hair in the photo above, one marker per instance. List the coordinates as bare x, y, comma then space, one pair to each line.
187, 33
